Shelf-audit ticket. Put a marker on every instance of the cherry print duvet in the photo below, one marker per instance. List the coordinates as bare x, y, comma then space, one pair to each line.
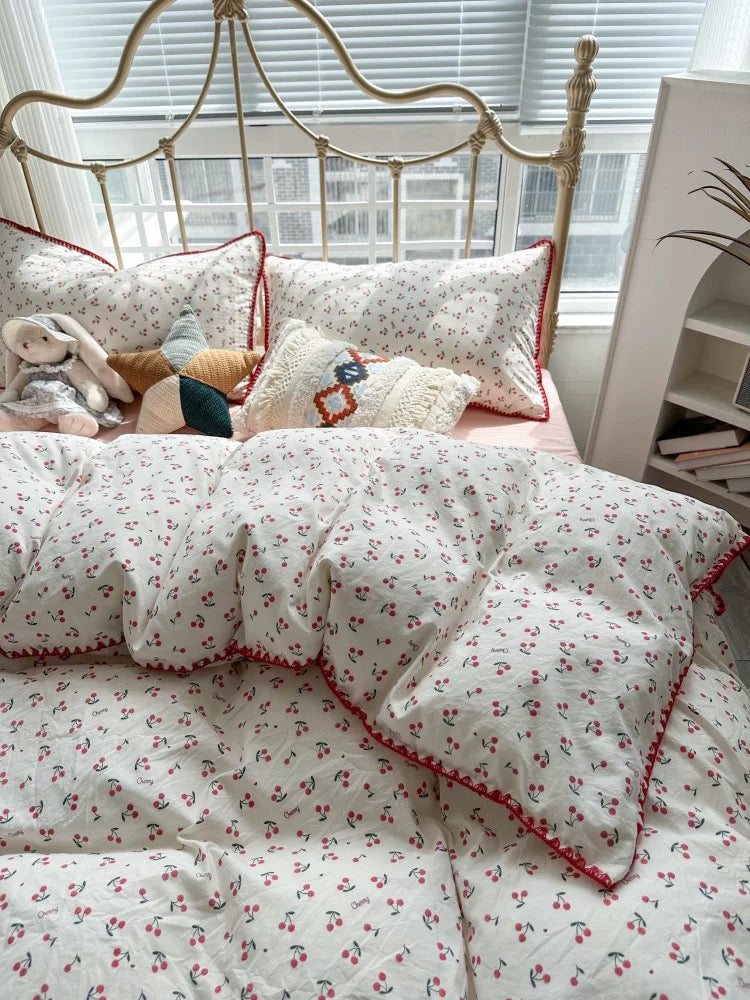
398, 715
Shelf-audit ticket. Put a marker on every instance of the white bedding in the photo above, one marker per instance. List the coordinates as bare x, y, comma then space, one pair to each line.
363, 813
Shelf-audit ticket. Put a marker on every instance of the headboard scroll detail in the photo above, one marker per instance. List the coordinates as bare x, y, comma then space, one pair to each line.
228, 15
230, 10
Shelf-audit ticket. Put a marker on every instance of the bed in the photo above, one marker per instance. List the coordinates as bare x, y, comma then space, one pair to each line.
342, 711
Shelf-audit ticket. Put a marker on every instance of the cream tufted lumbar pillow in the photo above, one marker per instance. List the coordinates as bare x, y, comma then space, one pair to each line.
309, 381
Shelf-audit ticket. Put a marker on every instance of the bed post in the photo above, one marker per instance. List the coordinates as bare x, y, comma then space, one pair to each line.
566, 162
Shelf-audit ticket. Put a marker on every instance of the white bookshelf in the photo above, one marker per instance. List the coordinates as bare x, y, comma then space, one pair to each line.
681, 335
711, 395
722, 318
715, 342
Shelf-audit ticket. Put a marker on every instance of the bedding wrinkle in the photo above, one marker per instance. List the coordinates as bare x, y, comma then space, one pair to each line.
391, 832
366, 552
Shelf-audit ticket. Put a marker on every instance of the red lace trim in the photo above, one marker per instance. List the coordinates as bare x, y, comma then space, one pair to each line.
235, 651
59, 242
495, 795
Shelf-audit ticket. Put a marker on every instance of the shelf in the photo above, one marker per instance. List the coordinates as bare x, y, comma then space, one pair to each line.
663, 464
723, 318
710, 395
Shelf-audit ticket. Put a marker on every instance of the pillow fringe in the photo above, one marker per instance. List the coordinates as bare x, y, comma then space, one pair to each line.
277, 376
432, 401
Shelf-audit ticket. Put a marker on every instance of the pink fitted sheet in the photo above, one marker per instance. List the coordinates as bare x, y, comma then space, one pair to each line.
551, 435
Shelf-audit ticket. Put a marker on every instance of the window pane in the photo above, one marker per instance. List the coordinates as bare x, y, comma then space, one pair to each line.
434, 206
414, 253
346, 181
348, 258
602, 218
449, 179
483, 232
122, 187
294, 180
209, 227
348, 226
212, 181
384, 223
295, 227
128, 233
432, 223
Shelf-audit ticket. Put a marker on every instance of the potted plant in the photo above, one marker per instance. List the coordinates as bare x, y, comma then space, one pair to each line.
730, 196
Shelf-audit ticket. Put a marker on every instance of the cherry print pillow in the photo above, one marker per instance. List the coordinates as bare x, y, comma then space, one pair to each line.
134, 308
480, 317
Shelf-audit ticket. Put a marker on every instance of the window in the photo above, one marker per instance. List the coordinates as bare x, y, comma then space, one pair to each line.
602, 217
359, 209
516, 53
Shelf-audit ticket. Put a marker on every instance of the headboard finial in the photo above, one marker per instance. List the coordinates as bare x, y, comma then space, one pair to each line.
581, 86
230, 10
566, 159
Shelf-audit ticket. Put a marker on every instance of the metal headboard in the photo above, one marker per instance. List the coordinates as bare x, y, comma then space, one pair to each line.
231, 15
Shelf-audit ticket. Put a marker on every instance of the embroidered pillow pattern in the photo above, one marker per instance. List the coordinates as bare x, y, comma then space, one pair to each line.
342, 385
309, 381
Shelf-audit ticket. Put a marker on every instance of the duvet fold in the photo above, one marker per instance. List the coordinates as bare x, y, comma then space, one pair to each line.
517, 624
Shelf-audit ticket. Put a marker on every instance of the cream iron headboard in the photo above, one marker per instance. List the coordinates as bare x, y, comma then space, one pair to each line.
229, 15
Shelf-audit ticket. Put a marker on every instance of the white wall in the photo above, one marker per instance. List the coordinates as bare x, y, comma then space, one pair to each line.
577, 366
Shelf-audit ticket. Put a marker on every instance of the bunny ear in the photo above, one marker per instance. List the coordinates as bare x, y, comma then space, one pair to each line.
12, 365
12, 361
93, 355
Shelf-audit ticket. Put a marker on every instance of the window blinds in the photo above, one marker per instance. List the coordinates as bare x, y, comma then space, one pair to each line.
640, 41
515, 53
396, 45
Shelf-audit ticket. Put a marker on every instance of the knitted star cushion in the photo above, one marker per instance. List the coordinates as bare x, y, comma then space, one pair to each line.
184, 381
309, 381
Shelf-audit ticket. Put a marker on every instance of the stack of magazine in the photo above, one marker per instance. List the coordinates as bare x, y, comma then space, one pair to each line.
711, 450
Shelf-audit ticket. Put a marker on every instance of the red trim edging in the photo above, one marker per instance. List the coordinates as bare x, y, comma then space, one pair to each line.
501, 798
182, 253
55, 239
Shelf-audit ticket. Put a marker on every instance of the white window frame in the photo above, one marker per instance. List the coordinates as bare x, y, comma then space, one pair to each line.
380, 135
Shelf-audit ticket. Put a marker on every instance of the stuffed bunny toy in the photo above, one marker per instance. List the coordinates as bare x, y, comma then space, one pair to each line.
57, 373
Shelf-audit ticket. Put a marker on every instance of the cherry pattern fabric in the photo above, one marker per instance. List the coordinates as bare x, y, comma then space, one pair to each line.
234, 833
480, 316
184, 837
510, 621
134, 308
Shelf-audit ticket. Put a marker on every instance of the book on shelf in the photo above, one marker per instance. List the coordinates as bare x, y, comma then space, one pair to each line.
739, 485
713, 456
700, 434
734, 470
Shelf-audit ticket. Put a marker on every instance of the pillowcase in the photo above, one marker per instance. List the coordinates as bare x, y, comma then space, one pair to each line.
480, 316
134, 308
310, 381
184, 381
